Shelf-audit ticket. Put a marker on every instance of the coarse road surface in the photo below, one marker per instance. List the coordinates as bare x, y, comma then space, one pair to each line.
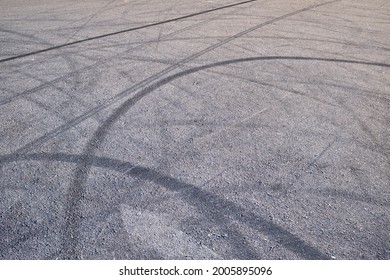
181, 129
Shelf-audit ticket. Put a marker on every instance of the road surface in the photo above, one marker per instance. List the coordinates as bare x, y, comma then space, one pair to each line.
145, 129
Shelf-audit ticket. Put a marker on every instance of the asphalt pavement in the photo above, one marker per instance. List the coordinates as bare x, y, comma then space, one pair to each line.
220, 129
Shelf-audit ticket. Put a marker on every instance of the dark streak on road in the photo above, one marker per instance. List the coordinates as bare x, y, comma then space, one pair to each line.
122, 31
76, 191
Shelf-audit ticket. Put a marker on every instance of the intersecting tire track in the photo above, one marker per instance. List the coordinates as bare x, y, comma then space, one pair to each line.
121, 32
76, 191
69, 247
111, 101
100, 61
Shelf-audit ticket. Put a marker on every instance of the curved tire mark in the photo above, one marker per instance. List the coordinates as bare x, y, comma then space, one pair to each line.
122, 31
153, 78
213, 206
77, 190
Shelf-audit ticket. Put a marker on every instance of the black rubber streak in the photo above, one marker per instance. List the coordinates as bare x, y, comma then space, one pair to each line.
97, 63
76, 191
122, 31
210, 204
151, 79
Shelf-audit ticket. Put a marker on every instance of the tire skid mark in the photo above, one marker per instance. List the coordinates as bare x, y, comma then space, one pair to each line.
103, 9
89, 160
374, 142
123, 31
32, 37
101, 133
153, 78
126, 168
89, 19
76, 191
158, 40
239, 249
99, 62
123, 94
216, 209
270, 85
67, 60
35, 40
52, 82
